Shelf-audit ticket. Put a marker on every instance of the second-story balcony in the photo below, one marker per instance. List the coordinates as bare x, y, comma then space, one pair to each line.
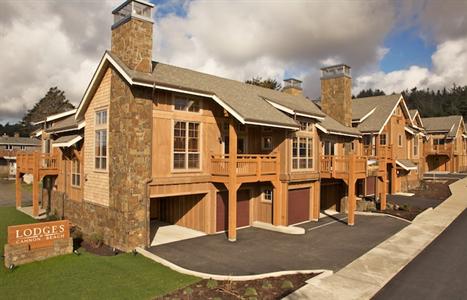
441, 149
250, 168
38, 163
380, 152
341, 167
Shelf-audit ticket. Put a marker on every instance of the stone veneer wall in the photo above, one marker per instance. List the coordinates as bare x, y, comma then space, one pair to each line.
132, 43
130, 143
336, 98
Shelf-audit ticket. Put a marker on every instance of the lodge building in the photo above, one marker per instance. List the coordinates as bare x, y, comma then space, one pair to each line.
152, 142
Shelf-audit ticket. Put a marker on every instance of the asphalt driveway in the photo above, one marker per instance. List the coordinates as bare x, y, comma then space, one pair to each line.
328, 244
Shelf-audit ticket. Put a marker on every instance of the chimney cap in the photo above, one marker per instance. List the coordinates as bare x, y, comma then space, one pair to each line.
336, 71
292, 83
132, 9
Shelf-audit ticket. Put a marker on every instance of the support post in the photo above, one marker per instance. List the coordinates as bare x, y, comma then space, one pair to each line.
232, 185
18, 188
383, 193
277, 206
393, 178
35, 185
315, 201
351, 199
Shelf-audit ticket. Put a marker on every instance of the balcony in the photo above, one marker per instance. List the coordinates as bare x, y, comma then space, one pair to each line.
342, 167
442, 149
250, 168
38, 163
380, 152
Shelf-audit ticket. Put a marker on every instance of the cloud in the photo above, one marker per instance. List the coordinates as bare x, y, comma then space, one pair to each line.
49, 43
449, 67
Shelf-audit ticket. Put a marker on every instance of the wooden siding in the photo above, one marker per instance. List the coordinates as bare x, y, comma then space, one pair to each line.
96, 183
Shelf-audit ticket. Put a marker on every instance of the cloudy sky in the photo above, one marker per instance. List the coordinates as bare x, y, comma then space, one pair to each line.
392, 45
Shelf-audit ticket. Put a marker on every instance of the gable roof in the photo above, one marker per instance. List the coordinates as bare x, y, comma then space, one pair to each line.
23, 141
415, 116
382, 106
247, 103
448, 124
330, 126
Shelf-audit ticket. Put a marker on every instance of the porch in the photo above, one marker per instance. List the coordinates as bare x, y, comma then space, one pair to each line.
38, 165
441, 149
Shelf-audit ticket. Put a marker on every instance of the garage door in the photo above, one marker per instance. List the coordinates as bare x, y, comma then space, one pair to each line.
243, 209
298, 206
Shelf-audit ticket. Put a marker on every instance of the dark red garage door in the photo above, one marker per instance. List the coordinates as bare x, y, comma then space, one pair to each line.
299, 206
243, 209
371, 185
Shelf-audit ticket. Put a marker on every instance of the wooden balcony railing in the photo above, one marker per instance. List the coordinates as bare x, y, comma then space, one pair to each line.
42, 163
380, 152
338, 167
12, 152
252, 166
443, 149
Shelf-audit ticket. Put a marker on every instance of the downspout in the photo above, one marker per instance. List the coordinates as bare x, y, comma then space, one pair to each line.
147, 215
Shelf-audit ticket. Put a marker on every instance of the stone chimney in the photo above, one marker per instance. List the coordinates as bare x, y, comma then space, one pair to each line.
336, 93
292, 86
132, 34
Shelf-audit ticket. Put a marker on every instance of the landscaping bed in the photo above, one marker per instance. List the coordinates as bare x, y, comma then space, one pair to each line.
267, 288
429, 194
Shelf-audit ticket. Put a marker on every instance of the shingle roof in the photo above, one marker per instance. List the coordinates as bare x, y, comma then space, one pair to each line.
24, 141
65, 123
334, 126
383, 105
249, 101
448, 124
412, 112
407, 164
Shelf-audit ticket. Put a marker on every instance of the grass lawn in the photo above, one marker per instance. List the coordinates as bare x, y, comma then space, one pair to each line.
86, 276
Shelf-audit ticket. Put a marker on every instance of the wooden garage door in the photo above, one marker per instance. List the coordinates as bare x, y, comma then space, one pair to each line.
243, 209
298, 206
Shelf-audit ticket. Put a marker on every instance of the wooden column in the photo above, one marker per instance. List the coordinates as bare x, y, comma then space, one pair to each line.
351, 199
35, 185
315, 202
18, 188
393, 178
383, 193
232, 185
277, 206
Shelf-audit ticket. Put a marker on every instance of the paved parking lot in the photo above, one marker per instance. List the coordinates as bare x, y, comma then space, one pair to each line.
328, 244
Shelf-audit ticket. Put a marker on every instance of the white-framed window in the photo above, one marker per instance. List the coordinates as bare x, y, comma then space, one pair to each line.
100, 151
329, 148
9, 147
382, 139
75, 173
302, 153
186, 103
266, 143
268, 195
186, 149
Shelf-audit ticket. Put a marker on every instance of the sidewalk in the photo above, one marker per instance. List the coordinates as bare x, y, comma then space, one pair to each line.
365, 276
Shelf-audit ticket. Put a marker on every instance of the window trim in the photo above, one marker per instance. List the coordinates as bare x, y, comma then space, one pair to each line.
263, 195
73, 173
385, 139
174, 96
101, 127
200, 144
298, 169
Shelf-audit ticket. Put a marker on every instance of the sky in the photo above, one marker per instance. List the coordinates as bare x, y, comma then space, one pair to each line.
391, 45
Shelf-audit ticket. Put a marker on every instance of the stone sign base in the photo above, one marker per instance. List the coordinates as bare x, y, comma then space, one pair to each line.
23, 254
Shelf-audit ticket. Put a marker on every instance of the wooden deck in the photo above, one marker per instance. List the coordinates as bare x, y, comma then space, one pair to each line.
250, 168
340, 167
445, 149
379, 152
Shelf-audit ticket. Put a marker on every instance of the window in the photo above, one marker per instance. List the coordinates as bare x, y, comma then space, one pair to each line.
382, 139
305, 126
75, 173
400, 140
267, 195
266, 143
328, 148
186, 153
101, 140
185, 103
367, 140
415, 146
302, 153
438, 141
9, 147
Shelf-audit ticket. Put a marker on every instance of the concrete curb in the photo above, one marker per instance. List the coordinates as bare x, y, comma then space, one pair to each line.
423, 213
322, 272
281, 229
365, 276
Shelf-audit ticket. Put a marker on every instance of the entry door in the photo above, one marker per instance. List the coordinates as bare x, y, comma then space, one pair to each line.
222, 212
328, 148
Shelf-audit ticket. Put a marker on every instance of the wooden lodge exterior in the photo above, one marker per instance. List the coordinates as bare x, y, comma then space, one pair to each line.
150, 141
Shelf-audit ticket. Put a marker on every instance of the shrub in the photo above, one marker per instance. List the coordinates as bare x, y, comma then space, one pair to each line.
287, 284
266, 285
250, 292
96, 240
211, 284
